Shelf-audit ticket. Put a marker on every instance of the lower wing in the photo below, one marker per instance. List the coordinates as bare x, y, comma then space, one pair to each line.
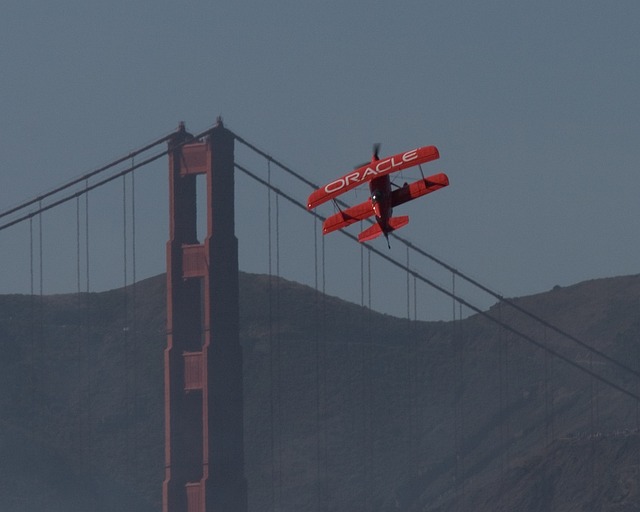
347, 217
364, 210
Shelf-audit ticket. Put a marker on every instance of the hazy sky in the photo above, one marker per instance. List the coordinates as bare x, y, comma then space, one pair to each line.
533, 105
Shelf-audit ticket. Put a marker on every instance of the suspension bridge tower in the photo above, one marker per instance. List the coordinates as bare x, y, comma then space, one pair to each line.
204, 442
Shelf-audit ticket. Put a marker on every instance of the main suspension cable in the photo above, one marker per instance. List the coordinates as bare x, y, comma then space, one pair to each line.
455, 271
448, 293
85, 177
42, 208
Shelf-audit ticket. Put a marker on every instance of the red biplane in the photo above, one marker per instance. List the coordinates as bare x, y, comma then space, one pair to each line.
383, 198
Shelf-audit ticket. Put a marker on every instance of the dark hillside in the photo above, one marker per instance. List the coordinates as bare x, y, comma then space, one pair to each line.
345, 407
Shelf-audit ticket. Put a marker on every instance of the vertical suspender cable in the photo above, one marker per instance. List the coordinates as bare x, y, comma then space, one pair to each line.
369, 281
41, 336
408, 289
269, 214
418, 389
324, 372
281, 420
272, 355
78, 285
506, 394
415, 298
363, 380
276, 369
321, 371
552, 400
370, 394
457, 389
361, 271
133, 225
501, 404
459, 398
31, 269
124, 243
125, 324
125, 283
455, 385
277, 250
86, 235
32, 330
412, 355
462, 384
40, 248
134, 320
547, 408
593, 427
317, 320
79, 351
125, 256
591, 392
88, 345
637, 404
323, 347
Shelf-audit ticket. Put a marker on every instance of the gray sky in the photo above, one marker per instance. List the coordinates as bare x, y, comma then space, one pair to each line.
533, 106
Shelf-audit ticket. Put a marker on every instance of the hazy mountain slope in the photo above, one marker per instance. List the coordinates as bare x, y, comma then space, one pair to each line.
545, 430
345, 408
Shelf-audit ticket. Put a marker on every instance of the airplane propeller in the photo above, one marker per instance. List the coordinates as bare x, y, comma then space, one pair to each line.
376, 150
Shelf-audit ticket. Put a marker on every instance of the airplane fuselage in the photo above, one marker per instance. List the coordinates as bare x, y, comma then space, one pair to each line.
381, 203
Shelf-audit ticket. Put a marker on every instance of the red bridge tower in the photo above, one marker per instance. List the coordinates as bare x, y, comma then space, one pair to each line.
204, 442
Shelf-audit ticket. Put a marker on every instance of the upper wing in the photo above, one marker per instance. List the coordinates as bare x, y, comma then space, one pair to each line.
375, 169
419, 188
346, 217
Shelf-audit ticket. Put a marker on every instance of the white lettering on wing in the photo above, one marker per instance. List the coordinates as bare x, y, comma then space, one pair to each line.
334, 186
382, 167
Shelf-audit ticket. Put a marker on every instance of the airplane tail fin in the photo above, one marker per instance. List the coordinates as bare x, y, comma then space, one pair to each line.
398, 222
375, 231
370, 233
